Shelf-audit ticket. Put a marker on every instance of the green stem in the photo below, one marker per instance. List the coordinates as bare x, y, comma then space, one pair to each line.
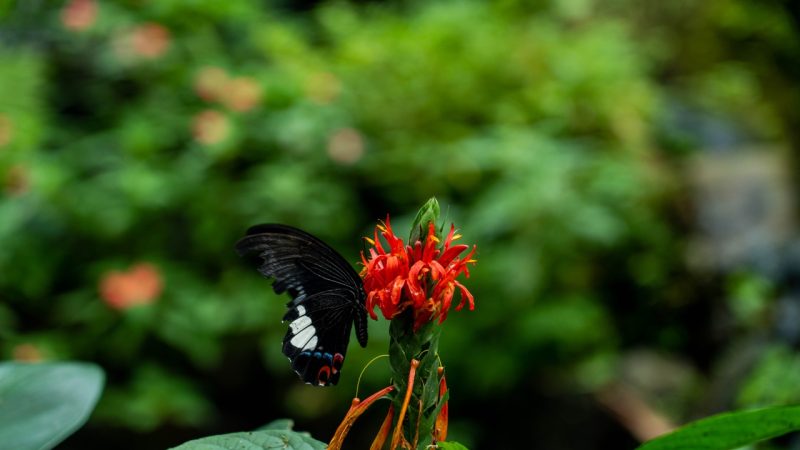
405, 344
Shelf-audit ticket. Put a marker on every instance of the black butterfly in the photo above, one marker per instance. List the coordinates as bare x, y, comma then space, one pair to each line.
327, 298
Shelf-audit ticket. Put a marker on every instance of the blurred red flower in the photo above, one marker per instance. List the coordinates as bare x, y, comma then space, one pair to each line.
146, 41
27, 352
210, 127
6, 130
241, 94
150, 40
210, 83
345, 146
17, 180
78, 15
141, 285
421, 277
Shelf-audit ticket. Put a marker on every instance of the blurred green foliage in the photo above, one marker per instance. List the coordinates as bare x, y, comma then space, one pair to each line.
555, 135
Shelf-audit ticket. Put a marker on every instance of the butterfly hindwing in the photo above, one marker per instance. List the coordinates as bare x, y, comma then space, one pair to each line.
327, 298
317, 338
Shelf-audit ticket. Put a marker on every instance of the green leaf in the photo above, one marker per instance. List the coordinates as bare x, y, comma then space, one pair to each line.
729, 430
257, 440
429, 376
427, 214
429, 422
278, 424
451, 446
42, 404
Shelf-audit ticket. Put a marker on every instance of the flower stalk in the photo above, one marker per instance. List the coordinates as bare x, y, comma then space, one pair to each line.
414, 286
403, 408
414, 360
440, 427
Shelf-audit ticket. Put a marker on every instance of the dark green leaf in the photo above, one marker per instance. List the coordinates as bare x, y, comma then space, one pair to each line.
429, 422
730, 430
257, 440
429, 373
42, 404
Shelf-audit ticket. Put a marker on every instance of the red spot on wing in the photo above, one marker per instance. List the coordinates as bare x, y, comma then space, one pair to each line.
338, 359
324, 375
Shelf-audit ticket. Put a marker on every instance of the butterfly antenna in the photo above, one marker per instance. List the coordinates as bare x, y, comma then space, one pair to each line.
358, 384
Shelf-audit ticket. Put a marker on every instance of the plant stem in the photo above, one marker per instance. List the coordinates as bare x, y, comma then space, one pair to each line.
421, 345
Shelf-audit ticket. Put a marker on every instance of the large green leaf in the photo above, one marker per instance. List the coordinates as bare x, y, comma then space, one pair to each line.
730, 430
257, 440
278, 424
41, 404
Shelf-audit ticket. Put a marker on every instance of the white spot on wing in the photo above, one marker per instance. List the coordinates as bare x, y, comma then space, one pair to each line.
301, 310
299, 324
304, 338
311, 344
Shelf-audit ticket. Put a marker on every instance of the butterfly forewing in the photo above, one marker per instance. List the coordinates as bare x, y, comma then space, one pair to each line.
327, 298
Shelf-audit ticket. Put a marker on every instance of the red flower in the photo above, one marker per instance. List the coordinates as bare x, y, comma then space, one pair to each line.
146, 41
345, 146
210, 127
210, 83
241, 94
78, 15
27, 352
422, 277
150, 40
141, 285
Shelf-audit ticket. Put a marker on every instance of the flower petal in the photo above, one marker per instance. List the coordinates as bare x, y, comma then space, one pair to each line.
465, 295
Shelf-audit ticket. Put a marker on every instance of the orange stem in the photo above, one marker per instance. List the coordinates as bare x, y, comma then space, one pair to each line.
419, 417
380, 439
356, 409
399, 427
440, 430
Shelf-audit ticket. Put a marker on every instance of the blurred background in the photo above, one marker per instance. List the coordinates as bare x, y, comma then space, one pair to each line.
625, 168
